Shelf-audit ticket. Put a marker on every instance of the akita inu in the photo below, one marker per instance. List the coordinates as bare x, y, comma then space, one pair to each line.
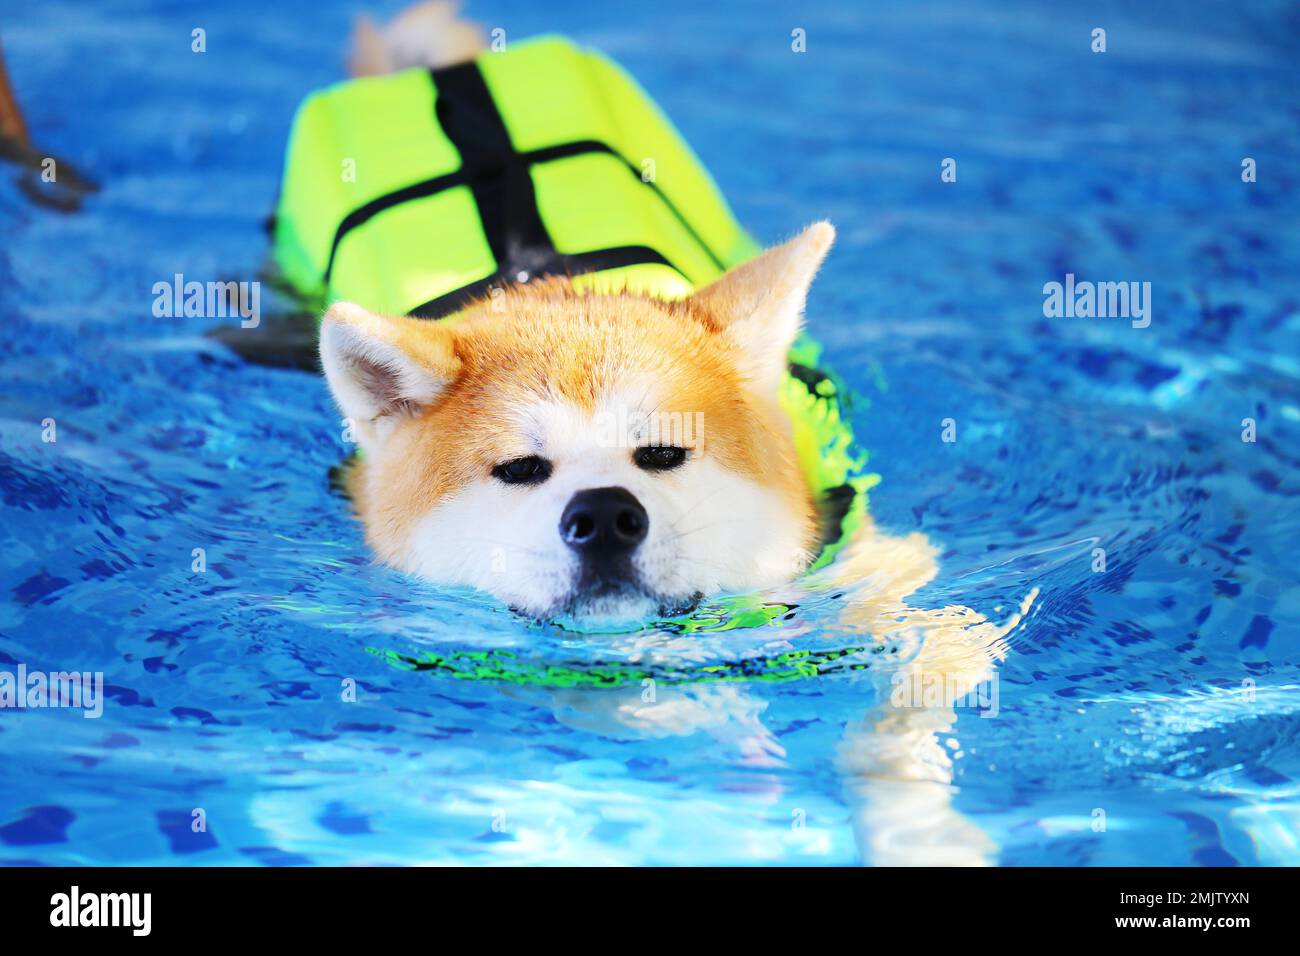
529, 444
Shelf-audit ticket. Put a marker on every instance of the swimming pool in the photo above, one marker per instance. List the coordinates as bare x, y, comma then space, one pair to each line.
1146, 713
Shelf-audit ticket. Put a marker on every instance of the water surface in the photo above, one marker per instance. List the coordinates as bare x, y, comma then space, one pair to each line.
1146, 714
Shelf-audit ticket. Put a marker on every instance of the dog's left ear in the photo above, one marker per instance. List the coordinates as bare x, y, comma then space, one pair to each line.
759, 304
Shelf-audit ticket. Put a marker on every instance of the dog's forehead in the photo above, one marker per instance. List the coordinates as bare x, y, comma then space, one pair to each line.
622, 414
583, 346
597, 374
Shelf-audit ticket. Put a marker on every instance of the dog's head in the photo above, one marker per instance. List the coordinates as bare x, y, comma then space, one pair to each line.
602, 456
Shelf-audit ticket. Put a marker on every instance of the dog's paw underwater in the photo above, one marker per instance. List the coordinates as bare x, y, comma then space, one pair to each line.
586, 455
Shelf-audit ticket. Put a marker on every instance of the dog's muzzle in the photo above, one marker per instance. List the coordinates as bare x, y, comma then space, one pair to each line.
604, 527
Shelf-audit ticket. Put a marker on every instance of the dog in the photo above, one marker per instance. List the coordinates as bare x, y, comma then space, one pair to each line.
531, 445
516, 446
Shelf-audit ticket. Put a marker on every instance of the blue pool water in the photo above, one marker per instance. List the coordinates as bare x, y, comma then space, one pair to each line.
1147, 714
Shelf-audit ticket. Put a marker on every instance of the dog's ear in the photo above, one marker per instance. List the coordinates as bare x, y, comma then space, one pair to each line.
379, 368
759, 304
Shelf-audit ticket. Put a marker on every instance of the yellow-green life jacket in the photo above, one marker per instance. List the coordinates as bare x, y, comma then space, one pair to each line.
420, 191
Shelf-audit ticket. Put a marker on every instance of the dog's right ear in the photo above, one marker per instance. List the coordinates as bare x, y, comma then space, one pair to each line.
379, 368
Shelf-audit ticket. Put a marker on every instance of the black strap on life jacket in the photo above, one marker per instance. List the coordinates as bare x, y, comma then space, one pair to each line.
502, 187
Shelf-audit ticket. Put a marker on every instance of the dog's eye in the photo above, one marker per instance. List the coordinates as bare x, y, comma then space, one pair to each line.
523, 471
659, 457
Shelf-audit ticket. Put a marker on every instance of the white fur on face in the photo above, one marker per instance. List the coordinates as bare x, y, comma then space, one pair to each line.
710, 529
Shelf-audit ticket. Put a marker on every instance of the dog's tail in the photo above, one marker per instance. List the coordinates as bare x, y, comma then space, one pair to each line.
429, 34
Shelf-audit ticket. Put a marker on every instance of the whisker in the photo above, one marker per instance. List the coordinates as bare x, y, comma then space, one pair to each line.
711, 524
683, 515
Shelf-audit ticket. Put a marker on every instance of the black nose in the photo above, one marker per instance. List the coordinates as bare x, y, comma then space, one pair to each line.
604, 522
